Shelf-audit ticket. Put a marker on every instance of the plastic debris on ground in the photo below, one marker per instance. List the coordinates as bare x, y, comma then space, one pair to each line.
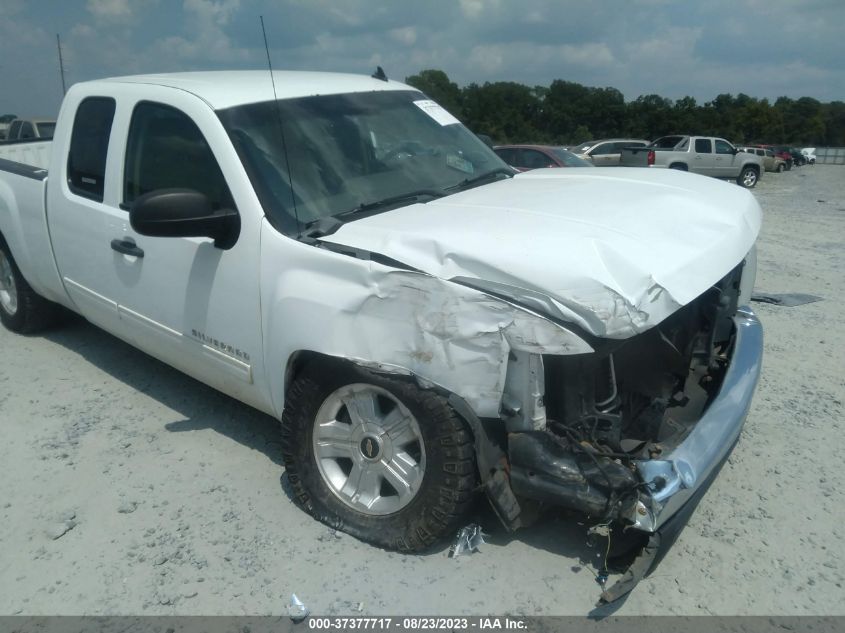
296, 609
467, 541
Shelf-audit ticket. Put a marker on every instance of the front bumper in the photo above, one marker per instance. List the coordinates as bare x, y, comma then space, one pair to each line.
690, 468
676, 477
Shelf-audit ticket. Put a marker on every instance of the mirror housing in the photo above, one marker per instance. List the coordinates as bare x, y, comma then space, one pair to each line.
184, 213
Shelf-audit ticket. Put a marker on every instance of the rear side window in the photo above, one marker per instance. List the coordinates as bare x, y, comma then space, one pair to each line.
703, 146
166, 150
14, 130
89, 144
532, 159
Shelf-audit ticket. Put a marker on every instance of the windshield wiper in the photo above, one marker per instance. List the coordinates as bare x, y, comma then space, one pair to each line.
331, 223
481, 178
391, 200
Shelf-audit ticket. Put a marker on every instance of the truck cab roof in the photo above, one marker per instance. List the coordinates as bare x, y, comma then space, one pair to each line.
226, 89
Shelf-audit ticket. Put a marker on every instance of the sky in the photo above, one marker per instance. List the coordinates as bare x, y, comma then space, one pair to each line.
674, 48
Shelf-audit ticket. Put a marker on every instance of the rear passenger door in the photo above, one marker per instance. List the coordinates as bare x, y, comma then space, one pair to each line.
78, 205
702, 157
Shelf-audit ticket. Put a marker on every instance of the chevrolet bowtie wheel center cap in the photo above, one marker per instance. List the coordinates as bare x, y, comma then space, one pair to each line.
370, 447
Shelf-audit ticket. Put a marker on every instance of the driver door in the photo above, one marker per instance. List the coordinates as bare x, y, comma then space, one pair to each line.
182, 299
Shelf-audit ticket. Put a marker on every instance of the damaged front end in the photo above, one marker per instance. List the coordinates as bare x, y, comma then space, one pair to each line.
631, 434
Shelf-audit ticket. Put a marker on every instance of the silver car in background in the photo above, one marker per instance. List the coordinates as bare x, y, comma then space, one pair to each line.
770, 161
606, 152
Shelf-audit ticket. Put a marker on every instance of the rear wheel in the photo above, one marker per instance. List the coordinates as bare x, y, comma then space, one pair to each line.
748, 177
377, 457
780, 167
679, 167
21, 309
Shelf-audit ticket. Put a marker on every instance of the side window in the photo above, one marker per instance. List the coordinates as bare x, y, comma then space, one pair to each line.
89, 144
703, 146
166, 150
533, 159
723, 147
604, 148
506, 154
770, 153
15, 129
27, 131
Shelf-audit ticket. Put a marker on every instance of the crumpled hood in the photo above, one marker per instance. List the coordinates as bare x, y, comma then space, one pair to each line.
617, 249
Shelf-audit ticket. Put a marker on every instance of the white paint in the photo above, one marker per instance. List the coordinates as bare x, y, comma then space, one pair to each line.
618, 252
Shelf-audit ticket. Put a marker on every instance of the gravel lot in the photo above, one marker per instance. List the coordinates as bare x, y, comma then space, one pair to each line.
128, 488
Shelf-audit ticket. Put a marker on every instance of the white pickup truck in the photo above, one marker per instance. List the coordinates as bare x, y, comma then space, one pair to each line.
342, 253
704, 155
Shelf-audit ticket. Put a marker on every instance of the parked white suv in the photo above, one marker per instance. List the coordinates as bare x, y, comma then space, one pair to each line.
810, 154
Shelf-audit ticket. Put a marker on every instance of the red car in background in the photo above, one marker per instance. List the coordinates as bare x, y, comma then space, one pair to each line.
525, 157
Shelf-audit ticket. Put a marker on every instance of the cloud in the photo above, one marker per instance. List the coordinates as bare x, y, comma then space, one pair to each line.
109, 9
405, 35
668, 47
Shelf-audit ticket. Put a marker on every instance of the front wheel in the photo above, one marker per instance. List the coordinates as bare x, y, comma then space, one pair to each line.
377, 457
747, 177
780, 168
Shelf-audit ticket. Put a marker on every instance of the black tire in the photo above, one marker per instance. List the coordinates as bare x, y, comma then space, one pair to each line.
446, 491
679, 167
27, 312
748, 177
780, 168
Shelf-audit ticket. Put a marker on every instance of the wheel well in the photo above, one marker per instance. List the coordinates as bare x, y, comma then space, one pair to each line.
752, 166
488, 447
680, 166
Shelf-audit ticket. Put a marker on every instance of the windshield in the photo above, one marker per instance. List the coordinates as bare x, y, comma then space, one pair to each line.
569, 159
350, 151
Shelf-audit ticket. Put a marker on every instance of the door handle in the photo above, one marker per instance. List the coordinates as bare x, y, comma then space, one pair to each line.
126, 246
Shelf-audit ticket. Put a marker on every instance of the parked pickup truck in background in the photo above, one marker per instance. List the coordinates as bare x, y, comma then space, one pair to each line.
705, 155
343, 254
24, 129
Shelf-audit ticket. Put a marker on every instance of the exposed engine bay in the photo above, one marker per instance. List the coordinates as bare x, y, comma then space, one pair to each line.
633, 400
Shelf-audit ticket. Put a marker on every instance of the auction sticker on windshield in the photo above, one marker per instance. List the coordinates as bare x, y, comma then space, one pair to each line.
436, 112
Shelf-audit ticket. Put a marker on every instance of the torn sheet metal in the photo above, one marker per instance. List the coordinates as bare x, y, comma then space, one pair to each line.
788, 300
469, 539
443, 333
641, 248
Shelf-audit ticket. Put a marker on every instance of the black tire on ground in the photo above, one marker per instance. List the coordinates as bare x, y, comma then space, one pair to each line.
21, 309
780, 167
748, 177
679, 167
443, 495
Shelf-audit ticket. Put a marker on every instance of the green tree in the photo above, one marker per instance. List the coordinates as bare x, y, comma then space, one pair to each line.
505, 110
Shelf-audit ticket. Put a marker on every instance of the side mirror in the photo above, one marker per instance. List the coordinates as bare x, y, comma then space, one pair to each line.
184, 213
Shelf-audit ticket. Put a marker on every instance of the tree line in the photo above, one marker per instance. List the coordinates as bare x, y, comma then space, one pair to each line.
567, 112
